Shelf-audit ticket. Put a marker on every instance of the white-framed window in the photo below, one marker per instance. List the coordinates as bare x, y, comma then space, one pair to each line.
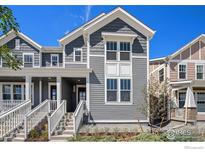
28, 59
17, 44
181, 98
77, 55
6, 89
199, 71
118, 51
182, 71
200, 99
161, 75
54, 60
125, 90
17, 92
112, 90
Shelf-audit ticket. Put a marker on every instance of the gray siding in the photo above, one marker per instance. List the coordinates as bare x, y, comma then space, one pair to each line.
46, 59
69, 48
100, 110
25, 47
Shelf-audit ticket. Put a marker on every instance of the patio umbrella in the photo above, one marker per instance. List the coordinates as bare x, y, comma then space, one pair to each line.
189, 101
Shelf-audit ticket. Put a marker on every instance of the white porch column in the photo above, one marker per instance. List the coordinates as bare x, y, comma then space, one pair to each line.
40, 91
58, 87
28, 87
88, 92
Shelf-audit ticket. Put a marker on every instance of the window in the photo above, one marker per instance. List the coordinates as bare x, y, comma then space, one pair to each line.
124, 50
111, 50
201, 101
182, 97
111, 89
125, 90
77, 55
200, 72
28, 59
54, 60
17, 92
17, 44
182, 71
6, 92
161, 75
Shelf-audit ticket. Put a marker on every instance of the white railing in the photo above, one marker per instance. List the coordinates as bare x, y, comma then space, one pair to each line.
78, 116
6, 105
53, 105
55, 118
10, 120
35, 116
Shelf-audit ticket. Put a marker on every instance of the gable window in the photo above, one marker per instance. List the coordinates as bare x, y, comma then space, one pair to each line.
17, 92
125, 90
182, 97
6, 92
17, 44
199, 72
78, 55
28, 60
161, 75
112, 90
54, 60
182, 71
111, 50
124, 50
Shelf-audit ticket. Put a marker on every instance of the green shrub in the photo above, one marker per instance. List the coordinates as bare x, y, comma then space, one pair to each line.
149, 137
34, 134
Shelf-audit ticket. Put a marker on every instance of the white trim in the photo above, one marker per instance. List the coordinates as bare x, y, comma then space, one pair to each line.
24, 53
180, 82
186, 71
40, 90
96, 55
77, 87
143, 57
196, 71
158, 68
49, 89
88, 51
125, 16
81, 55
187, 61
51, 60
118, 121
157, 59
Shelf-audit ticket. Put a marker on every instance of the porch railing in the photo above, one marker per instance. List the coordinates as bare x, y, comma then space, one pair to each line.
78, 116
53, 105
6, 105
35, 116
10, 120
55, 117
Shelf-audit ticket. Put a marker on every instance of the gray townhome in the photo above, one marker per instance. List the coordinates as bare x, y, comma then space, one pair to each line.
104, 63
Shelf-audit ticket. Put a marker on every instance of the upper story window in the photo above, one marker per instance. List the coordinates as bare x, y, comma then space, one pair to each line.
124, 50
112, 90
28, 60
6, 92
119, 51
111, 50
54, 60
125, 90
161, 75
17, 44
199, 72
77, 55
182, 71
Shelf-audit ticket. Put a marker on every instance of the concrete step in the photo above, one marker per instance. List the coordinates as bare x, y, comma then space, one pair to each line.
60, 137
18, 139
69, 127
67, 132
21, 135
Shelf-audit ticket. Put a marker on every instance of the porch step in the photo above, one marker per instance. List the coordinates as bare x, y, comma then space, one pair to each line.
59, 138
18, 139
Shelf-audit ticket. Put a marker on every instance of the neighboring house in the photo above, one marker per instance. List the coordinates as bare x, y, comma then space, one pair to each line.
184, 68
105, 62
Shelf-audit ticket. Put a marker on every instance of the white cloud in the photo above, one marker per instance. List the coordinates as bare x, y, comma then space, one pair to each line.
87, 12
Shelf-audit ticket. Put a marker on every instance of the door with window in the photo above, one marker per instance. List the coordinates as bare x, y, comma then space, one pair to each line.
81, 94
53, 92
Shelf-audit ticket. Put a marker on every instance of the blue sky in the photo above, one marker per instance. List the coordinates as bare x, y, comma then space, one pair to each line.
175, 25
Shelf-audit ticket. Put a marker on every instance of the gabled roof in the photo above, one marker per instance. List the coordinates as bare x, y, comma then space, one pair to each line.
186, 46
123, 15
158, 59
78, 32
12, 34
104, 19
52, 49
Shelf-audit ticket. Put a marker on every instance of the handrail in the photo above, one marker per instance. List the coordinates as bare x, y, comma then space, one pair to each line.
35, 116
10, 120
55, 118
6, 105
78, 116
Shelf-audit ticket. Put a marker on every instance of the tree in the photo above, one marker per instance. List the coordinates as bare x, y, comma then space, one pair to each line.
8, 23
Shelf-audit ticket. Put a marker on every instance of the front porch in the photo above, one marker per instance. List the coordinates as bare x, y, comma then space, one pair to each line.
178, 97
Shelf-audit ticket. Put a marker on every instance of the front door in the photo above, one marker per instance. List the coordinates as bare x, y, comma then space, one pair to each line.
81, 94
53, 92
